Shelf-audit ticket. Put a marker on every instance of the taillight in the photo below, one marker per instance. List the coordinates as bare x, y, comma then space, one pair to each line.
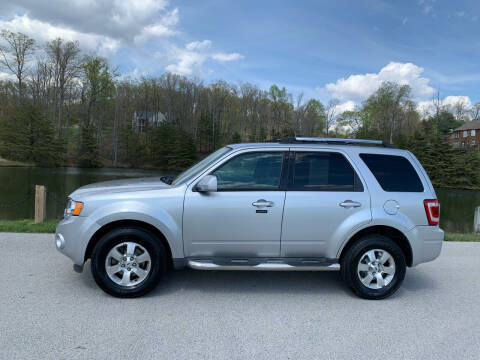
432, 209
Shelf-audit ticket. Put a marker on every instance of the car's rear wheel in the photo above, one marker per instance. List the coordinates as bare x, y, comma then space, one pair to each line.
128, 262
374, 267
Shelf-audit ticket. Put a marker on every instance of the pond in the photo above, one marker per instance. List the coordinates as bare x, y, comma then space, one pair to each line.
457, 206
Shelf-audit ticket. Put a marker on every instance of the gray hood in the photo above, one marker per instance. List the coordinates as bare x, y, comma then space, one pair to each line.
121, 185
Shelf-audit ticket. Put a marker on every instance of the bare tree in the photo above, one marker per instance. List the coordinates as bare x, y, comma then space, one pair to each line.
460, 110
64, 60
331, 112
15, 54
475, 111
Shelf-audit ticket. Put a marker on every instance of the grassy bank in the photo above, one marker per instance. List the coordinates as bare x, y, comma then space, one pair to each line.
49, 227
461, 237
28, 226
5, 162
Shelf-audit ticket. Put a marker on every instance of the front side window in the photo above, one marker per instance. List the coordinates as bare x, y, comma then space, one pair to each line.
472, 132
250, 171
196, 169
465, 133
323, 171
393, 173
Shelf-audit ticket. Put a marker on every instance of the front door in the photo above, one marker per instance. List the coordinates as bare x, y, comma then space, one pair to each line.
244, 217
325, 199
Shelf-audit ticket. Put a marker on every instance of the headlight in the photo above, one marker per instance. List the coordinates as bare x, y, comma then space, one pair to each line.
73, 208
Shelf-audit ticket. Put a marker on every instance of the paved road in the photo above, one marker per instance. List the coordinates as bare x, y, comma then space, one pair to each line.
48, 311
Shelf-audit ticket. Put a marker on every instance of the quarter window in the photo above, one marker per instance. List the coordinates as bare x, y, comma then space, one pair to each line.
393, 173
323, 171
251, 171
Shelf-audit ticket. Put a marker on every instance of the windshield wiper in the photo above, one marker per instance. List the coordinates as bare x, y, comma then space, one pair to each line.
167, 179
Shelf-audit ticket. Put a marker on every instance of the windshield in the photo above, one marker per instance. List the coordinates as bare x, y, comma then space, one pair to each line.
190, 173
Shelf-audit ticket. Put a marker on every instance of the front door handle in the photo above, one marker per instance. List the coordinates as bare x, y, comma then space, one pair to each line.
350, 204
263, 203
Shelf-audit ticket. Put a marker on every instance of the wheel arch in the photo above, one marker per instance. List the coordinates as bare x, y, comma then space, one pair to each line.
128, 223
392, 233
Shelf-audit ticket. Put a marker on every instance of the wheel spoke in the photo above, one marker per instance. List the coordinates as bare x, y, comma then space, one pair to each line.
125, 278
390, 270
142, 258
363, 267
379, 278
116, 254
111, 270
131, 248
384, 258
140, 272
371, 255
367, 280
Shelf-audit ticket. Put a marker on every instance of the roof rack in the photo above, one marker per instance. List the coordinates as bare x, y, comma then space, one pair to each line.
333, 141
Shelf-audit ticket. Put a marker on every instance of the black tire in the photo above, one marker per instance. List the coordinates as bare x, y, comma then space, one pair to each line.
140, 236
352, 258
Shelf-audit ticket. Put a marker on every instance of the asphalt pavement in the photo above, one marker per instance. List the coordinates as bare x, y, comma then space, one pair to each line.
47, 311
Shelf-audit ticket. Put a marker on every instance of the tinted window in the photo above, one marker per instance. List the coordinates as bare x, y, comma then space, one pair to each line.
323, 171
393, 173
251, 171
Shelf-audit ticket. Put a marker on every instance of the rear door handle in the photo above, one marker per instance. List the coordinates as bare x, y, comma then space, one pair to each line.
263, 203
350, 204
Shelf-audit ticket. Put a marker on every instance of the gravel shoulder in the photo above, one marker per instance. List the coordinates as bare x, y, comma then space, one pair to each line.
49, 311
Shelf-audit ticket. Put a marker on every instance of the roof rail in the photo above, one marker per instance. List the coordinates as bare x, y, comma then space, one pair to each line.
333, 141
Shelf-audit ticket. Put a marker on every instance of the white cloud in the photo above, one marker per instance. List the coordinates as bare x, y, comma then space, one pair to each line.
7, 76
358, 87
198, 45
405, 20
186, 62
190, 59
162, 28
127, 12
222, 57
346, 106
460, 13
43, 31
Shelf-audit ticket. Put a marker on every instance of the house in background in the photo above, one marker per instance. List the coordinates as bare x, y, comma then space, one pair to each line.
143, 120
467, 135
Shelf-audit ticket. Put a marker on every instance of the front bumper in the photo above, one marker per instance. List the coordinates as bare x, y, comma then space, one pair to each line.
426, 242
72, 237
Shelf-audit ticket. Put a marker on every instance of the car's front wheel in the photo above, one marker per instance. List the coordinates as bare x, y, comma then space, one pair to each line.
374, 267
128, 262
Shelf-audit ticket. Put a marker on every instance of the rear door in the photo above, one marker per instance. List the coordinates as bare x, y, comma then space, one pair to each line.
325, 196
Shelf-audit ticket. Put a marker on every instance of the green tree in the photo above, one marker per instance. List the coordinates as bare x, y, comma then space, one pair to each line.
28, 136
88, 154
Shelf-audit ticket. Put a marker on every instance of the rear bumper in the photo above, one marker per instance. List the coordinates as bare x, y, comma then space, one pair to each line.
426, 242
75, 232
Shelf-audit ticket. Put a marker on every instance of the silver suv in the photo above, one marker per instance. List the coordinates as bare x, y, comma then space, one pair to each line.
361, 207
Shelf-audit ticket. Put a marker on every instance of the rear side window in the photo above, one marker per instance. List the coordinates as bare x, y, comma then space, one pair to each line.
393, 173
323, 171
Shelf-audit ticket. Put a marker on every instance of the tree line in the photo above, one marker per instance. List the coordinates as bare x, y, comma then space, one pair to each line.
64, 107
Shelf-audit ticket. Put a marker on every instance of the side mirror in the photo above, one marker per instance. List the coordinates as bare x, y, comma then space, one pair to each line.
207, 184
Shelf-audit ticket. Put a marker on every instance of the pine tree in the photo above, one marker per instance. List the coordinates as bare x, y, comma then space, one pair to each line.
88, 154
28, 136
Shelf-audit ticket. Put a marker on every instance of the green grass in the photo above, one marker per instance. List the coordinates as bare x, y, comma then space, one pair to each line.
28, 226
5, 162
461, 237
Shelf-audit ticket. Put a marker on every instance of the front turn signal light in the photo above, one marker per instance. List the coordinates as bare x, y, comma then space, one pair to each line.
77, 209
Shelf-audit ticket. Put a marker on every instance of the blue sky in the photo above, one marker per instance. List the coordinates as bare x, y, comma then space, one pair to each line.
308, 46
